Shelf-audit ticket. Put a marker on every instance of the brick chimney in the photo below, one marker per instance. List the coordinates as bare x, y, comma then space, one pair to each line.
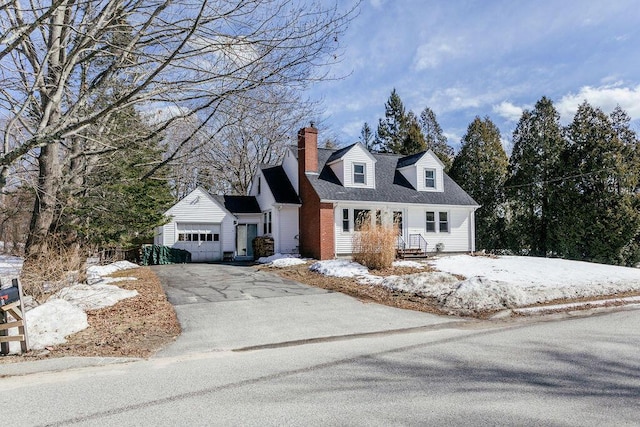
308, 150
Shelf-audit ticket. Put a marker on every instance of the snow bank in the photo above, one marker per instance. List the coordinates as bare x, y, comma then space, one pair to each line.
64, 313
287, 262
96, 272
281, 261
93, 297
339, 268
496, 283
49, 324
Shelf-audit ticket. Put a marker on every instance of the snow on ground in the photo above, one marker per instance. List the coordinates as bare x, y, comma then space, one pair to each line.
63, 313
408, 264
93, 297
95, 273
49, 323
498, 283
10, 267
280, 260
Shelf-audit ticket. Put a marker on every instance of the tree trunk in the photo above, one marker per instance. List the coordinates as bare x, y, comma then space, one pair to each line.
42, 217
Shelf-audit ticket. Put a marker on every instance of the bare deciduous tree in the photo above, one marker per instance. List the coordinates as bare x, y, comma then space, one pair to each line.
69, 67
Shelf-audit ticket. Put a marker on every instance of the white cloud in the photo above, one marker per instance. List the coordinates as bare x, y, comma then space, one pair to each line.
433, 53
508, 111
605, 97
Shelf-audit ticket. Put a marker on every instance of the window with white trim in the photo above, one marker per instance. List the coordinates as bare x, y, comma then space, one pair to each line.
266, 222
431, 222
345, 220
359, 173
430, 178
444, 222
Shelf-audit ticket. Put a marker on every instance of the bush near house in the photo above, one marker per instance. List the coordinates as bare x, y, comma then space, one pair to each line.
374, 246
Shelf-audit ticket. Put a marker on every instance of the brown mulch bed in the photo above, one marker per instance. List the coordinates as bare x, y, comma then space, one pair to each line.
134, 327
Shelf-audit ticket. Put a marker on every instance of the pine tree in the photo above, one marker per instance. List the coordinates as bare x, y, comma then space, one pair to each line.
392, 131
366, 137
534, 167
480, 168
434, 138
413, 141
600, 207
116, 204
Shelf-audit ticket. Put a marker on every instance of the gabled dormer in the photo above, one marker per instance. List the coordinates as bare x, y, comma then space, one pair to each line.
424, 171
354, 166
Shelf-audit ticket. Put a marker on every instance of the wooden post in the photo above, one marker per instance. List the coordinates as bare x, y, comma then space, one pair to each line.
16, 310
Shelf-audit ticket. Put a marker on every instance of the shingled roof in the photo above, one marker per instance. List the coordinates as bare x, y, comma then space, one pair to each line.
239, 204
391, 185
280, 185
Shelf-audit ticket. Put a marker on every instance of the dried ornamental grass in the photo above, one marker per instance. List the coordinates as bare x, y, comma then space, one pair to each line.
374, 246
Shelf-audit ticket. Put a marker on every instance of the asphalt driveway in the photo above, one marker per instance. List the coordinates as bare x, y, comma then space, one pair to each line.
225, 307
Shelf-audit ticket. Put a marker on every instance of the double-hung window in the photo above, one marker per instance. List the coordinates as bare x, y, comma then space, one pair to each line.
345, 220
430, 178
266, 222
359, 173
444, 222
431, 222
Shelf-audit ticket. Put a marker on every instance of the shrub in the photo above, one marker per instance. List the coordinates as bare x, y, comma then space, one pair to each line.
374, 246
45, 274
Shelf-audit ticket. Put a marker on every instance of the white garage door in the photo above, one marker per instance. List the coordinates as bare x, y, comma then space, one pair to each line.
202, 240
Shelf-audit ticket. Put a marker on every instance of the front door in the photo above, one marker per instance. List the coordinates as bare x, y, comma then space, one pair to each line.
245, 233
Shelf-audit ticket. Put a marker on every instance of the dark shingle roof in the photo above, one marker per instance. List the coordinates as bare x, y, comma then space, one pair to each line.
409, 160
239, 204
391, 186
279, 184
339, 153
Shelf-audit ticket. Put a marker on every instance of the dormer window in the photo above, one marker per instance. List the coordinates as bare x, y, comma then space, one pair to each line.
430, 178
359, 176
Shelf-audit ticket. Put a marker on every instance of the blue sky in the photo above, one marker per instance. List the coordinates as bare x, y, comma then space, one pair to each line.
483, 58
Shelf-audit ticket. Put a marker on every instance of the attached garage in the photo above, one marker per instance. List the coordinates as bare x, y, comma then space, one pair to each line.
202, 240
200, 224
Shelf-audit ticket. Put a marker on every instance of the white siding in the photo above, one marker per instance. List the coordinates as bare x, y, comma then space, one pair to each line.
358, 154
455, 240
415, 173
458, 239
344, 240
198, 208
286, 230
290, 166
265, 198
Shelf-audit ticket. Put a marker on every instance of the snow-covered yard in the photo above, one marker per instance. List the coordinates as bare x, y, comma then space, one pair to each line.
64, 313
498, 283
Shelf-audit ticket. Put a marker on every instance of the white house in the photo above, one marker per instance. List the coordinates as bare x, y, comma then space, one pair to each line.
313, 203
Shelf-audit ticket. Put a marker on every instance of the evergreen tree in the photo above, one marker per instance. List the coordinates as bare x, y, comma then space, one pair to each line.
413, 141
116, 204
480, 168
534, 168
392, 131
366, 137
434, 138
599, 203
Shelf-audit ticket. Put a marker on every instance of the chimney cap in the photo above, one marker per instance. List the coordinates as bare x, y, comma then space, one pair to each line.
312, 124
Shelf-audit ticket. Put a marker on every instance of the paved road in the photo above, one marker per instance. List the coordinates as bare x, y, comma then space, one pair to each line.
576, 372
582, 371
225, 307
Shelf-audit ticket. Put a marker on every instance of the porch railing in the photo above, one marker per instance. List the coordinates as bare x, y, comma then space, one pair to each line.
416, 241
